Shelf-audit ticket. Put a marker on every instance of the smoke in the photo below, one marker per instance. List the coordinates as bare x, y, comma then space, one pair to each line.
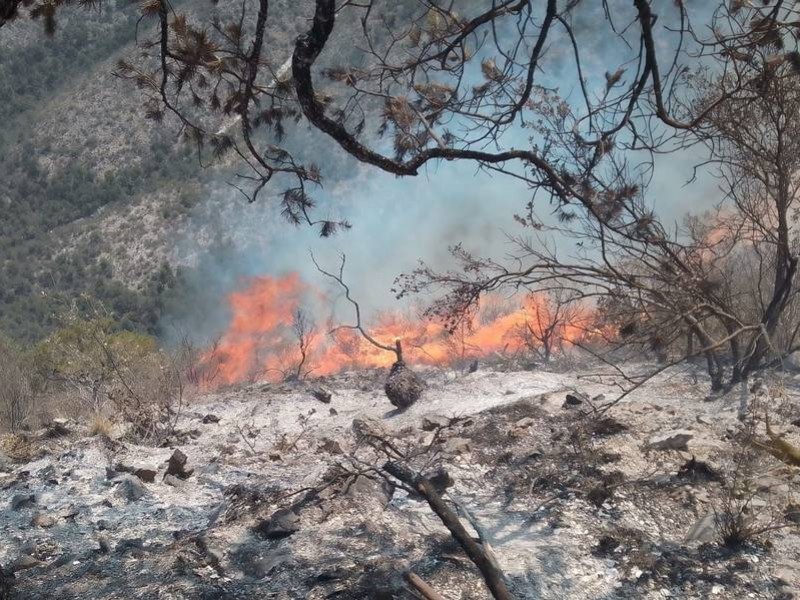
396, 221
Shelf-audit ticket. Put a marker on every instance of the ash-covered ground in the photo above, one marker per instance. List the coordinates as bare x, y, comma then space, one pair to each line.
276, 494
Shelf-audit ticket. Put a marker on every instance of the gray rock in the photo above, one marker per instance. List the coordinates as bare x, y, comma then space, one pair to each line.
146, 475
173, 481
25, 561
703, 530
209, 419
177, 465
321, 394
134, 546
574, 399
21, 501
283, 523
331, 446
367, 428
524, 423
364, 487
671, 440
130, 489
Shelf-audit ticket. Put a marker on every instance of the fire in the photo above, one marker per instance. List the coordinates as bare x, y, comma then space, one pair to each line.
262, 340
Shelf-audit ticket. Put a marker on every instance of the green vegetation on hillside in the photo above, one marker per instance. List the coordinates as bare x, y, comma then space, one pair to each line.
43, 208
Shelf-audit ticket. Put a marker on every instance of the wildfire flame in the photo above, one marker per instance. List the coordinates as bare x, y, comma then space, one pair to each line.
261, 342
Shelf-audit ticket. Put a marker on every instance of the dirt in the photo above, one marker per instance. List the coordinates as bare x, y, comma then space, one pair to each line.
571, 499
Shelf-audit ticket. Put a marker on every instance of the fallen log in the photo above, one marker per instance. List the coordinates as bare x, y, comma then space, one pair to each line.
423, 588
492, 575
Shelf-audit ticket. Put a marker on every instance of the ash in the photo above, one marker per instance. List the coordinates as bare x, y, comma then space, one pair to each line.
280, 495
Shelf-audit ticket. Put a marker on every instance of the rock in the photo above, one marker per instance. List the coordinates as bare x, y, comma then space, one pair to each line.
25, 561
364, 487
275, 456
103, 547
473, 366
177, 465
21, 501
333, 412
43, 520
130, 489
703, 530
209, 419
133, 546
574, 399
173, 481
146, 475
283, 523
368, 428
524, 423
671, 440
403, 387
331, 446
457, 445
321, 394
434, 422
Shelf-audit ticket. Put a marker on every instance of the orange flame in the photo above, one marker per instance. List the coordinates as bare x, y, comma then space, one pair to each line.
261, 341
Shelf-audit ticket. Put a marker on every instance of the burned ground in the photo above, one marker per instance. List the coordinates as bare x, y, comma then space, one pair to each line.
285, 501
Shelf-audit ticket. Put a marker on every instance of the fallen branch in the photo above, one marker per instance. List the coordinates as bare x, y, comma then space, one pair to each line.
494, 578
423, 588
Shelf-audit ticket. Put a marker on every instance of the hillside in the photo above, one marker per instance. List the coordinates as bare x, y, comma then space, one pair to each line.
270, 503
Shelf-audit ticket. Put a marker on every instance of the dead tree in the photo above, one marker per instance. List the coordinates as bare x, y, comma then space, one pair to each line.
403, 387
545, 330
305, 331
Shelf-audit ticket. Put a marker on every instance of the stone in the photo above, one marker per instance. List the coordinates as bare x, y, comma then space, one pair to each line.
368, 428
134, 546
671, 440
146, 475
24, 562
130, 489
574, 399
333, 412
177, 465
209, 419
43, 520
434, 422
21, 501
173, 481
457, 445
331, 446
321, 394
403, 387
524, 423
363, 487
283, 523
703, 530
